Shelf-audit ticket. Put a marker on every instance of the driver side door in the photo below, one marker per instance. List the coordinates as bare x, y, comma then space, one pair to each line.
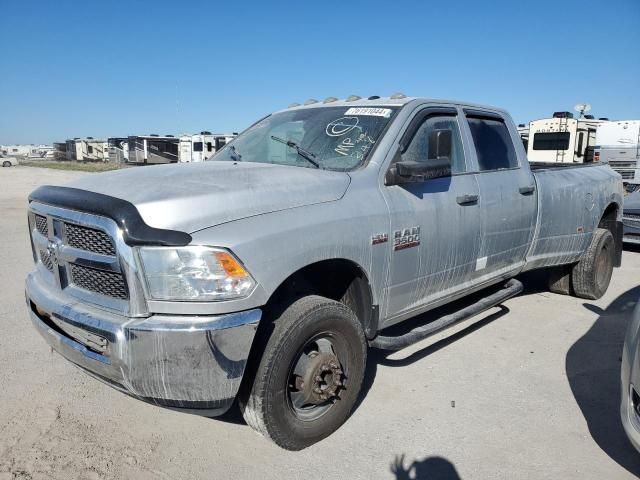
434, 224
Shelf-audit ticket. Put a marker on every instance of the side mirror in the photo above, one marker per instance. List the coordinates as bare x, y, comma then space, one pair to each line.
436, 165
407, 172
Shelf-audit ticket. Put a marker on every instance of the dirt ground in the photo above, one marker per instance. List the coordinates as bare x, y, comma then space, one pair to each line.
530, 390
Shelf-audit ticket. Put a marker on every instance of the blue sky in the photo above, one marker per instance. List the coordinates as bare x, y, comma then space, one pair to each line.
72, 69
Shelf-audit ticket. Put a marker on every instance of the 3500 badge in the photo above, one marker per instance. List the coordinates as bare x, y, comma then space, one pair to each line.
406, 238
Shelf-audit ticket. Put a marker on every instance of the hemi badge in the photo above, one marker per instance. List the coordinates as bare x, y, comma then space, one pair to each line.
379, 238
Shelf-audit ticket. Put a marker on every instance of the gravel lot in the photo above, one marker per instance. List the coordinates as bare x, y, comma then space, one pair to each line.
527, 391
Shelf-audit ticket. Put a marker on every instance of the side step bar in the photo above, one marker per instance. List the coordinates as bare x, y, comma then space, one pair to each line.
512, 287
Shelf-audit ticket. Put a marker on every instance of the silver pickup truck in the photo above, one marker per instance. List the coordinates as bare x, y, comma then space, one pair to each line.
265, 274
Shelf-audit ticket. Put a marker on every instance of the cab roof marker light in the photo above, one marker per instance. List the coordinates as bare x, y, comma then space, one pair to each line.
397, 96
352, 98
330, 99
294, 104
311, 101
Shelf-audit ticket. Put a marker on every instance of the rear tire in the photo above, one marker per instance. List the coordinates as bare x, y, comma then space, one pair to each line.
269, 404
590, 278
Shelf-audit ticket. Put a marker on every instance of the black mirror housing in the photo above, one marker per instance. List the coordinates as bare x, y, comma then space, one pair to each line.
408, 172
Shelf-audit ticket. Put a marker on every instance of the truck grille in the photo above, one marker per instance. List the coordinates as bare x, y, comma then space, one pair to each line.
45, 258
631, 219
626, 175
66, 242
621, 164
110, 284
41, 225
89, 239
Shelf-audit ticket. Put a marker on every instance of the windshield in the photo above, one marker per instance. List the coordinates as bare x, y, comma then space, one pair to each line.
332, 138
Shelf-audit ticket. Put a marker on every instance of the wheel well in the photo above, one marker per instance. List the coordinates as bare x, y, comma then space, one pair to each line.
609, 220
338, 279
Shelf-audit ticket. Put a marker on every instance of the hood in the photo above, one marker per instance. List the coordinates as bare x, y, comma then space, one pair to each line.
192, 196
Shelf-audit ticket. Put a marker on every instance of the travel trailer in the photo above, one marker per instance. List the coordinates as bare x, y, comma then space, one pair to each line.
60, 151
153, 149
118, 149
87, 149
563, 139
618, 143
31, 151
199, 147
40, 151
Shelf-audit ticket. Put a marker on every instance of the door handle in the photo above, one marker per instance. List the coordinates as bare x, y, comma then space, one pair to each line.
527, 190
467, 199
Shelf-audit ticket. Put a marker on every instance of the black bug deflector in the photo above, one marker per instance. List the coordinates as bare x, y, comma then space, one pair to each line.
134, 229
512, 287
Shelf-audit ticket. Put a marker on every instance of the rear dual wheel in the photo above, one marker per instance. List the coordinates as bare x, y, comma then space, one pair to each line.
590, 277
310, 373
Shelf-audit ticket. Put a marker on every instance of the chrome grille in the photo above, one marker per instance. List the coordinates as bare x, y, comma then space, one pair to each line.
89, 239
45, 258
81, 254
41, 225
110, 284
631, 219
621, 164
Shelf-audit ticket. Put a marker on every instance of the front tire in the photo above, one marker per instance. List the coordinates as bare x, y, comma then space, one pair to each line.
6, 164
310, 374
590, 278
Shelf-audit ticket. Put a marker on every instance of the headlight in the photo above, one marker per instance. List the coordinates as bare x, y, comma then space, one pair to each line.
194, 273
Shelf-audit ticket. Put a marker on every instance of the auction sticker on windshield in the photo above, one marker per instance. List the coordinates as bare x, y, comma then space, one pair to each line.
373, 111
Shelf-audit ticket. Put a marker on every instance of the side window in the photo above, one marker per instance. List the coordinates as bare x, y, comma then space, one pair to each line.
424, 145
89, 149
197, 146
493, 143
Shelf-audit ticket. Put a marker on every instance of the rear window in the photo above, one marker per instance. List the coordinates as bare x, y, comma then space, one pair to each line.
551, 141
494, 147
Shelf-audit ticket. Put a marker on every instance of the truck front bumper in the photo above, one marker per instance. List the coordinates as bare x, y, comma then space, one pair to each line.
193, 363
631, 227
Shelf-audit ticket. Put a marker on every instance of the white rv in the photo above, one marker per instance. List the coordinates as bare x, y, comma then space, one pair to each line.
118, 149
199, 147
153, 149
618, 143
562, 139
87, 150
40, 151
31, 151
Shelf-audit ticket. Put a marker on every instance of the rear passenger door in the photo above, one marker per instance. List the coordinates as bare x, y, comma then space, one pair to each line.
507, 195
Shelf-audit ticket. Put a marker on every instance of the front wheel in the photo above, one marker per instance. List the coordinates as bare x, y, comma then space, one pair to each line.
6, 164
310, 374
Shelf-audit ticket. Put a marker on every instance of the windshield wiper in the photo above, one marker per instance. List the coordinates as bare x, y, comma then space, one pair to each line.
308, 156
235, 156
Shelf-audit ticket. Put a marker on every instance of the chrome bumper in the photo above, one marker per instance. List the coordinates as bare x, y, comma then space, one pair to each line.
190, 363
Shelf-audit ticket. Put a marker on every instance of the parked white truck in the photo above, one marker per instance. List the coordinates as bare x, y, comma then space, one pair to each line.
618, 143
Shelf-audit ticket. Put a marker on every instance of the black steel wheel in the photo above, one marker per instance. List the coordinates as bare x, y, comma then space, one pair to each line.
310, 373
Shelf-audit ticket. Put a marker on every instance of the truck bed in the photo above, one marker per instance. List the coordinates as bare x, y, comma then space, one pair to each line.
568, 196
